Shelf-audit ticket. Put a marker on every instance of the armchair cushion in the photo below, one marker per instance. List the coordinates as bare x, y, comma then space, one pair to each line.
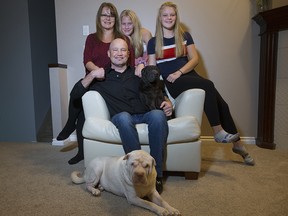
184, 127
181, 129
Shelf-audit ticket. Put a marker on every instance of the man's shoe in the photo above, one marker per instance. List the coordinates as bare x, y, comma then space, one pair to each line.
159, 184
76, 159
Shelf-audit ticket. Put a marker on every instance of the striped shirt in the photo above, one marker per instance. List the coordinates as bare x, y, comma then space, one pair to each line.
170, 63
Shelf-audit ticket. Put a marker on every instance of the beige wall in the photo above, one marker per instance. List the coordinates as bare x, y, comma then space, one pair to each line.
224, 33
279, 3
281, 103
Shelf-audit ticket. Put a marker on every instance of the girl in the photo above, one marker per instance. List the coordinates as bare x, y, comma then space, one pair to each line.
131, 27
174, 52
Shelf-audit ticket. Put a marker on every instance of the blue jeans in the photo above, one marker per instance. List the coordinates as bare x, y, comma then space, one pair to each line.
158, 133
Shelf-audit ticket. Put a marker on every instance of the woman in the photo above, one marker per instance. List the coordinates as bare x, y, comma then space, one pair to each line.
139, 37
95, 59
174, 52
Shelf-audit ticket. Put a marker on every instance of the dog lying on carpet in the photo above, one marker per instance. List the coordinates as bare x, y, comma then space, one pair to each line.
151, 87
132, 176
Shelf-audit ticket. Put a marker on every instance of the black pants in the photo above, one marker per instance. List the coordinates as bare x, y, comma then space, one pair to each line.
215, 107
76, 113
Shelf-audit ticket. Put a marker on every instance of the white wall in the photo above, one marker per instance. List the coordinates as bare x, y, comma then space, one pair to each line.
223, 30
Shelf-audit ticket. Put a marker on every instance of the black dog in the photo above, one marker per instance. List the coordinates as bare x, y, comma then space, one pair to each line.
151, 87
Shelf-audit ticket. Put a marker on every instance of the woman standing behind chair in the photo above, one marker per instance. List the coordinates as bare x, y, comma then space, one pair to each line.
95, 59
174, 52
139, 37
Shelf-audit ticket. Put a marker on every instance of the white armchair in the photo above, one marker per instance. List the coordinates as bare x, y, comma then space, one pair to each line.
183, 154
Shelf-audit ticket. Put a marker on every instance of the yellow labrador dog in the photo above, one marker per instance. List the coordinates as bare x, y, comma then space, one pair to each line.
132, 176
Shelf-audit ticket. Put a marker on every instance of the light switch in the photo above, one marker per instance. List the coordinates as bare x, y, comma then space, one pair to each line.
85, 30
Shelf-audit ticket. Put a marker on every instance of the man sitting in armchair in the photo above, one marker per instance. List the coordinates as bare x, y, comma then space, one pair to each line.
119, 87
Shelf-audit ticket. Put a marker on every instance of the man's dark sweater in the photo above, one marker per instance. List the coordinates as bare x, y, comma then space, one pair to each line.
119, 90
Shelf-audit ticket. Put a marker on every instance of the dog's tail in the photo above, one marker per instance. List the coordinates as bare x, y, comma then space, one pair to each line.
77, 178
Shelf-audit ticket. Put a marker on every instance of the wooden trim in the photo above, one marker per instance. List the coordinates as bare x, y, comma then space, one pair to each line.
187, 175
270, 22
57, 65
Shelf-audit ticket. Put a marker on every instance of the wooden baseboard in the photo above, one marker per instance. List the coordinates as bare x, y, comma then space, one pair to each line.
187, 175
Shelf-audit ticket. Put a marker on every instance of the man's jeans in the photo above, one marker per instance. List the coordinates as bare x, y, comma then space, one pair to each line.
158, 132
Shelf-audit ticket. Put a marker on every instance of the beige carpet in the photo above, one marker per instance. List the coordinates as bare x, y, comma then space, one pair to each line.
35, 180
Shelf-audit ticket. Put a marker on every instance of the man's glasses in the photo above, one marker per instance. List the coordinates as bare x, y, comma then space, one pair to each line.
106, 16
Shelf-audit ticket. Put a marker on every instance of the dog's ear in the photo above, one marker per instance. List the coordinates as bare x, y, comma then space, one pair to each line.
153, 164
126, 157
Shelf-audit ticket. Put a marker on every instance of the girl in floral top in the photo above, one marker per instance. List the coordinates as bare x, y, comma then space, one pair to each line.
131, 27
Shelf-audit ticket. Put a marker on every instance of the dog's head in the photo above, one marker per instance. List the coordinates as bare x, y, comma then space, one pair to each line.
141, 166
150, 74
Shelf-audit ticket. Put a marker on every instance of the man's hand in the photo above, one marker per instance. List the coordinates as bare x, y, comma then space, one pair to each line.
138, 70
167, 107
98, 74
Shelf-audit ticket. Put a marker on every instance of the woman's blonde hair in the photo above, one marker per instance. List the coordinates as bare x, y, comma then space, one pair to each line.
178, 32
136, 36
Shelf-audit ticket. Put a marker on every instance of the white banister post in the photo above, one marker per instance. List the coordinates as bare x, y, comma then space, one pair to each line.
59, 99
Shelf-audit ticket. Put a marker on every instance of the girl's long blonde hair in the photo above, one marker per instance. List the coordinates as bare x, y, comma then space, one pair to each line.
136, 37
178, 32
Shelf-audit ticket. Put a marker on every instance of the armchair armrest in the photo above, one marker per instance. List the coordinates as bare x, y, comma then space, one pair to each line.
94, 106
190, 103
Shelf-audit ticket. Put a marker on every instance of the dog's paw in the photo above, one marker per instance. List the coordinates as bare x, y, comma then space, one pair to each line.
96, 192
100, 187
163, 212
174, 212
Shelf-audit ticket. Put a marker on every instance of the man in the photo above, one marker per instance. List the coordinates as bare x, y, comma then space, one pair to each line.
119, 86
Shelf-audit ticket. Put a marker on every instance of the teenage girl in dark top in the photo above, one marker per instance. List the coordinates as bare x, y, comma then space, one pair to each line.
174, 52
